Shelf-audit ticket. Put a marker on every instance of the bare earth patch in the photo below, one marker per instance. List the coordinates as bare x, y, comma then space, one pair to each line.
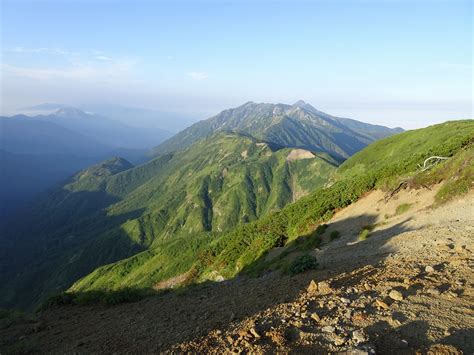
298, 154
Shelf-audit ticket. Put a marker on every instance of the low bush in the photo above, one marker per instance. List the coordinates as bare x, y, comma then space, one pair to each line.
404, 207
364, 234
303, 263
334, 235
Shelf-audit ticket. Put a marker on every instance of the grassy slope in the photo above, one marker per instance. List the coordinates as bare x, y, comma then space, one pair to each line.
382, 164
109, 212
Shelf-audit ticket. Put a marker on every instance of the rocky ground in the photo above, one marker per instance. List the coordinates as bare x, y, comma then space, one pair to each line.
407, 288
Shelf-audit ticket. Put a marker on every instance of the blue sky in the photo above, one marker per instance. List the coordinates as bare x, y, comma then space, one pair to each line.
399, 63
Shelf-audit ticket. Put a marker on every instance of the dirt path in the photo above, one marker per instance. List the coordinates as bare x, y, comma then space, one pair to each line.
408, 287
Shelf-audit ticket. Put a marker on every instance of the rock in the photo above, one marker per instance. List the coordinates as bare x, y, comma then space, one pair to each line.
403, 344
324, 287
338, 340
254, 333
315, 317
395, 295
344, 300
243, 333
358, 336
328, 329
429, 269
381, 304
313, 287
433, 291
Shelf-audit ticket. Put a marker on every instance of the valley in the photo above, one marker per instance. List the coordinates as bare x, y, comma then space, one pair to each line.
425, 254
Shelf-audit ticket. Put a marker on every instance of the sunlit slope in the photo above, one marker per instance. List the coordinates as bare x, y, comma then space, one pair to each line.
242, 249
112, 210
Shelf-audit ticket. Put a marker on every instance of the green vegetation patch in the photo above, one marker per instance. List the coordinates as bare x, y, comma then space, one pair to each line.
303, 263
404, 207
335, 235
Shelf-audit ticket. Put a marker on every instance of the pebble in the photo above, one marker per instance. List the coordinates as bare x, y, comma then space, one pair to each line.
254, 333
403, 344
358, 336
328, 329
433, 291
338, 341
395, 295
346, 301
381, 304
429, 269
313, 287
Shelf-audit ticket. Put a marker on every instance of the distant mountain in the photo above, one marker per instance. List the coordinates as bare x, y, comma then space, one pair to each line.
131, 116
299, 125
112, 210
105, 130
38, 152
28, 135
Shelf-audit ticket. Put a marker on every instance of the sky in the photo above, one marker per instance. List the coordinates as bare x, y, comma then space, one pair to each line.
398, 63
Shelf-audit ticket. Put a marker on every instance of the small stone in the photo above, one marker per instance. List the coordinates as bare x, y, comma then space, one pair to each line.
324, 287
429, 269
315, 317
345, 300
338, 341
381, 304
254, 333
433, 291
313, 287
328, 329
395, 295
403, 344
452, 294
358, 336
243, 333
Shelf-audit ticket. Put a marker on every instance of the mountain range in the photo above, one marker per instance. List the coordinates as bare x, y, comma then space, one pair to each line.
57, 145
233, 169
299, 125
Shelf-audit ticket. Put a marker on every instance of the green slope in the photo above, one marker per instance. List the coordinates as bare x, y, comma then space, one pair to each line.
113, 210
223, 255
298, 125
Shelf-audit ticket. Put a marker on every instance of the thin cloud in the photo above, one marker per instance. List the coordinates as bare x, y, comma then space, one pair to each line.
103, 58
197, 75
111, 71
42, 50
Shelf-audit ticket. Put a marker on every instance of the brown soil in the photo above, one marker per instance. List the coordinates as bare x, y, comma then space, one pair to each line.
407, 288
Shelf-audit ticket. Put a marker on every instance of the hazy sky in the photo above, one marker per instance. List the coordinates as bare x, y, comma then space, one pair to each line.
398, 63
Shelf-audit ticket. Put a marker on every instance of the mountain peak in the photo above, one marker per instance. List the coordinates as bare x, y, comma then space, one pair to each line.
69, 112
302, 104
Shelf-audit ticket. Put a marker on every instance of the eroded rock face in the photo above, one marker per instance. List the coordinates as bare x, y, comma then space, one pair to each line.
298, 154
